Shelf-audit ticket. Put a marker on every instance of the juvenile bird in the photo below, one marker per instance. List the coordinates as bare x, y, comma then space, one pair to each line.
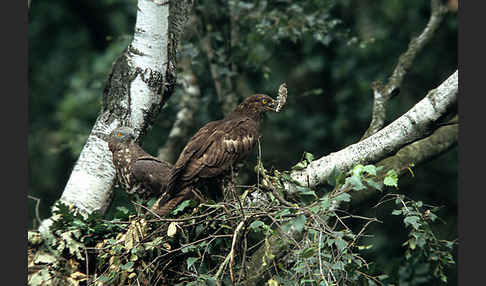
136, 170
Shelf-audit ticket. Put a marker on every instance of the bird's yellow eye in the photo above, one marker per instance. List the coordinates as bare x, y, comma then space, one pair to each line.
118, 134
264, 101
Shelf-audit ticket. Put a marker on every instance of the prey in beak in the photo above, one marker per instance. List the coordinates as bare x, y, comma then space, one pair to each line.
281, 98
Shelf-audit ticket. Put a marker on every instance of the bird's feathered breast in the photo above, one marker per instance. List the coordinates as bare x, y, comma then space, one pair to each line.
136, 168
214, 149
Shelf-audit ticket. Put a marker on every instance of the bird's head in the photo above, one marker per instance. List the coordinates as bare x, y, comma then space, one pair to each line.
257, 104
121, 135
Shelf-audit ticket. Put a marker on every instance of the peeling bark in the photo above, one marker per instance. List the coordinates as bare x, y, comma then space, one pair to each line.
141, 81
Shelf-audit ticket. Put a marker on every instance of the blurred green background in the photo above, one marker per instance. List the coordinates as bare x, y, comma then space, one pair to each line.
328, 53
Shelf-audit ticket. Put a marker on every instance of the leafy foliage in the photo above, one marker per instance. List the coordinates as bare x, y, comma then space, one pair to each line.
426, 256
328, 52
312, 240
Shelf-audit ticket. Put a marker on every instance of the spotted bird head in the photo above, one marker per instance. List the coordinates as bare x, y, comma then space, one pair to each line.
257, 104
120, 137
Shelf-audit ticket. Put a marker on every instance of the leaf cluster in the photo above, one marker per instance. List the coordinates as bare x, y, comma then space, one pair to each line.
426, 256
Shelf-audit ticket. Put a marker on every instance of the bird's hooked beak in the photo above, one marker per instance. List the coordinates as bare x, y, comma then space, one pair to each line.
272, 105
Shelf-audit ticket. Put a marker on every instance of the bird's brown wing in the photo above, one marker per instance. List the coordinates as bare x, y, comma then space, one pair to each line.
195, 144
152, 172
214, 151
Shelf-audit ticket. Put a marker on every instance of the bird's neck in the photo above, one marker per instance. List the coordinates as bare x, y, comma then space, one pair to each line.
241, 111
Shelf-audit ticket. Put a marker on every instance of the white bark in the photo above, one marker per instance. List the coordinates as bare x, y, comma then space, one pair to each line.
408, 128
89, 186
148, 52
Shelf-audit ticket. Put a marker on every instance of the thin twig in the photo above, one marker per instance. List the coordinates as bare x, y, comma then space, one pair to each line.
37, 203
232, 252
149, 210
87, 265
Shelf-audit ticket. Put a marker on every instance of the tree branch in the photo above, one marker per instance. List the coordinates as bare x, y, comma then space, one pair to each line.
382, 93
409, 127
419, 152
440, 141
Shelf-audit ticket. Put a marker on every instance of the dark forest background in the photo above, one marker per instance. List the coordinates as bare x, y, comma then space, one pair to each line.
328, 69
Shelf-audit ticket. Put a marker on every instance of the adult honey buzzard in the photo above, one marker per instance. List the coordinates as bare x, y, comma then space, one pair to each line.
218, 145
136, 170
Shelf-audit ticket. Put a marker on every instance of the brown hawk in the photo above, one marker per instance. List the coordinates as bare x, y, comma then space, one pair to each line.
136, 170
218, 145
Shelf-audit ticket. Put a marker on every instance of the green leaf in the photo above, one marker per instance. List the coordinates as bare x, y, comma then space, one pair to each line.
325, 203
298, 223
151, 202
45, 258
304, 191
36, 280
282, 213
286, 176
181, 207
383, 277
341, 244
300, 166
190, 261
356, 171
336, 177
421, 241
123, 210
391, 179
343, 197
308, 252
370, 169
127, 266
396, 212
308, 157
104, 278
257, 225
374, 184
355, 182
412, 220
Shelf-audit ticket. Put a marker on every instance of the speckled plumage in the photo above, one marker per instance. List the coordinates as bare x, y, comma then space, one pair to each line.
136, 170
218, 145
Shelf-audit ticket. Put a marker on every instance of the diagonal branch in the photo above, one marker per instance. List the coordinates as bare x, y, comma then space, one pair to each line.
413, 125
419, 152
440, 141
382, 93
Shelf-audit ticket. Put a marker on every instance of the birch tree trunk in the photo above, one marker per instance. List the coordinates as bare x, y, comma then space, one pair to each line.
141, 81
